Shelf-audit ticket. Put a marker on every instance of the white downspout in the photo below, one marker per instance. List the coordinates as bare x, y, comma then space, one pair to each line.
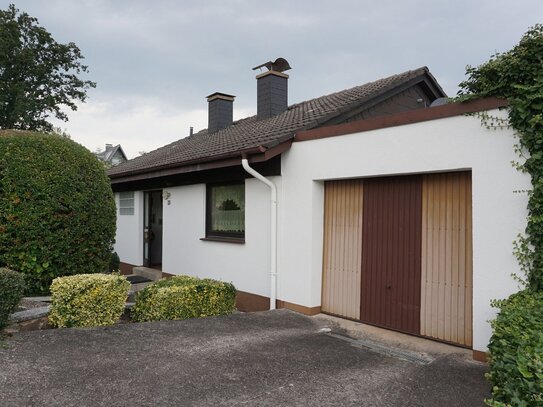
273, 248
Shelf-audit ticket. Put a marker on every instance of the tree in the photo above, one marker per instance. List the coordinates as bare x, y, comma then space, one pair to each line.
38, 75
57, 211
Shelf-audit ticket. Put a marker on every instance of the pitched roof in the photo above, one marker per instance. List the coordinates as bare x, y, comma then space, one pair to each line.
110, 151
250, 133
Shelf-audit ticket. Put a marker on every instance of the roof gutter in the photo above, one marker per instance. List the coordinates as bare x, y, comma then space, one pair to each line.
273, 228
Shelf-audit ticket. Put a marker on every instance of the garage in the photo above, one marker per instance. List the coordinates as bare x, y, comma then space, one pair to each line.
398, 253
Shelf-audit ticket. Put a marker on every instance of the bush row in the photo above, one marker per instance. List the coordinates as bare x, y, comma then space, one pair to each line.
183, 297
87, 300
516, 351
12, 286
99, 299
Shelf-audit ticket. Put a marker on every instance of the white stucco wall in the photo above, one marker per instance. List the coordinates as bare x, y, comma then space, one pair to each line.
129, 237
246, 265
448, 144
457, 143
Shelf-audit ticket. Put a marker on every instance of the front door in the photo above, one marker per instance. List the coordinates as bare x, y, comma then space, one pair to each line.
152, 229
391, 253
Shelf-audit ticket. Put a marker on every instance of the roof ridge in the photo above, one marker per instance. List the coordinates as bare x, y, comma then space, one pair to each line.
423, 69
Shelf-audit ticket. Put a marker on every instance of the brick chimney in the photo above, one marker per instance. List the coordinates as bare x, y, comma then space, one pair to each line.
220, 113
272, 89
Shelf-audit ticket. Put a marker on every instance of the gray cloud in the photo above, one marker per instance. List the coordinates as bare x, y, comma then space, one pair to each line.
171, 54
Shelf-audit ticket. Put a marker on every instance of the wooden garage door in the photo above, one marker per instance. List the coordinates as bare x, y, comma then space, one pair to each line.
391, 249
446, 285
341, 251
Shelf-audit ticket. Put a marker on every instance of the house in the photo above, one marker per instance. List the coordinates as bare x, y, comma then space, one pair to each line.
112, 155
369, 204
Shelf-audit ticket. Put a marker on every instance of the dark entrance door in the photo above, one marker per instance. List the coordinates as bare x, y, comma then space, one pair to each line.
152, 229
391, 253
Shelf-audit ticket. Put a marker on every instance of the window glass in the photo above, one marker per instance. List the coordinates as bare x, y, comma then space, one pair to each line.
226, 210
126, 203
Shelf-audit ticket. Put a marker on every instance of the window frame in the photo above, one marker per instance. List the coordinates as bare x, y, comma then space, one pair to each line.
235, 237
132, 208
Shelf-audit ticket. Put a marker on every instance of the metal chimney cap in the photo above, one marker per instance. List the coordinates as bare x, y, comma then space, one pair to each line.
279, 65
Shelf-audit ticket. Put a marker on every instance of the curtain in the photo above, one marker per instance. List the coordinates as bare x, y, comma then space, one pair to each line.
228, 208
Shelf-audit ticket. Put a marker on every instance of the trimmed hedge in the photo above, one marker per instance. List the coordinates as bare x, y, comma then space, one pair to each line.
516, 351
183, 297
12, 286
57, 211
87, 300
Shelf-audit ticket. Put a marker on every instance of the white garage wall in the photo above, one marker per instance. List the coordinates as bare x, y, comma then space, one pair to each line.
447, 144
129, 238
246, 265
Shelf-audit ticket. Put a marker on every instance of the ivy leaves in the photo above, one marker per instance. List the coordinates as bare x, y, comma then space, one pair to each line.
516, 346
518, 76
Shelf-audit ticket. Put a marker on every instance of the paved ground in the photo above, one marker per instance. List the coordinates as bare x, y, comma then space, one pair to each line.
277, 358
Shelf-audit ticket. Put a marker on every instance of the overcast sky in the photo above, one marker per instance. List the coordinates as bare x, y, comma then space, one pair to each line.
155, 61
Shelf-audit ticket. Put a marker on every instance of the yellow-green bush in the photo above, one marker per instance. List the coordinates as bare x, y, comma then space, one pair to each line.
87, 300
183, 297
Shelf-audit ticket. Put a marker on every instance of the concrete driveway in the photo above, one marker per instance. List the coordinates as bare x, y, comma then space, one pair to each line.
259, 359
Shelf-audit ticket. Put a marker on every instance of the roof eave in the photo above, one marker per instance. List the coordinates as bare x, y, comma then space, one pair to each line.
254, 155
398, 119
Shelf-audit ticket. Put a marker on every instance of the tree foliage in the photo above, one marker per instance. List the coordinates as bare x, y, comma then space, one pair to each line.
518, 76
38, 75
57, 211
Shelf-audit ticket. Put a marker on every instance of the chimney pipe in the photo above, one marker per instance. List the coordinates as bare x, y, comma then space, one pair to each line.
272, 94
272, 88
220, 111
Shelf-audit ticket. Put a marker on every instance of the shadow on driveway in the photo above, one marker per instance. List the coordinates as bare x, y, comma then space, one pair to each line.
259, 359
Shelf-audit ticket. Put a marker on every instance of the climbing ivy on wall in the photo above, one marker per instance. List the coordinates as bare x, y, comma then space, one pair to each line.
517, 75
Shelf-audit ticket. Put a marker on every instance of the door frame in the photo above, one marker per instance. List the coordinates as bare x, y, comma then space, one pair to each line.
147, 230
462, 199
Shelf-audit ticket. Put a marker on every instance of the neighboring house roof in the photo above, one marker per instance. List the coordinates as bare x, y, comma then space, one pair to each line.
252, 135
110, 152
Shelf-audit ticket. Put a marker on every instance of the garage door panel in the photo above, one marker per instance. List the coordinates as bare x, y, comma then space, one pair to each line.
391, 253
446, 283
341, 251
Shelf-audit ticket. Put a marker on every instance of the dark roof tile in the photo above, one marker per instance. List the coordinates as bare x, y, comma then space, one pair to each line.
251, 133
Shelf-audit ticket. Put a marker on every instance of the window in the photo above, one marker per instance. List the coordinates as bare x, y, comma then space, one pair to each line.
126, 203
225, 215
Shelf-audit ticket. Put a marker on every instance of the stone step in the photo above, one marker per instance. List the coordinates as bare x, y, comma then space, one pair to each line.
29, 314
134, 288
151, 274
46, 298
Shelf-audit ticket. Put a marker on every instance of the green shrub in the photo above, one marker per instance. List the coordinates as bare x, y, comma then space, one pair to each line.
12, 286
114, 262
183, 297
87, 300
57, 211
516, 351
